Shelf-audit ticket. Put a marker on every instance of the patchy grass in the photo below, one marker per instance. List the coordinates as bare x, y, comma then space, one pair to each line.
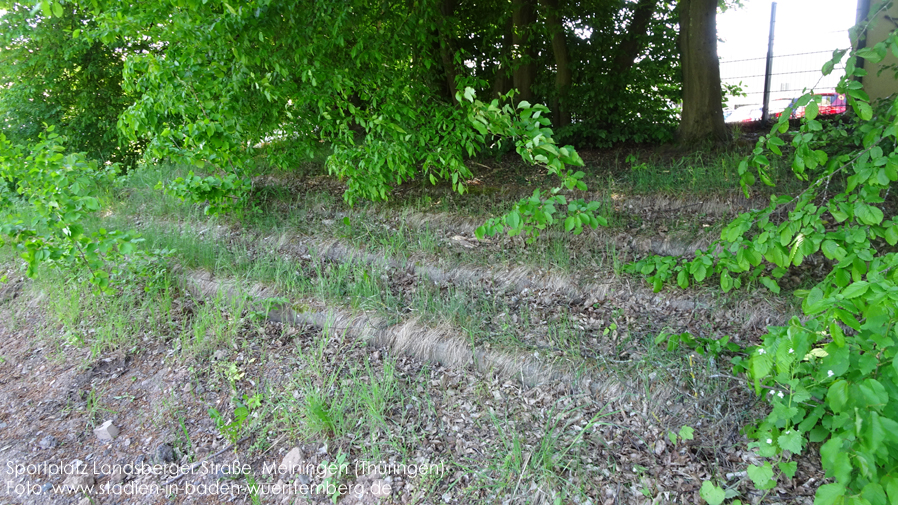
215, 373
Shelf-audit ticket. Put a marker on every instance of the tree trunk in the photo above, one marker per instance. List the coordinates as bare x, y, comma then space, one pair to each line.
702, 116
524, 17
630, 47
502, 82
561, 115
447, 9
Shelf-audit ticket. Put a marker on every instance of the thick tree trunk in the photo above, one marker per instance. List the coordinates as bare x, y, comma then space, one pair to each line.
702, 116
524, 17
561, 115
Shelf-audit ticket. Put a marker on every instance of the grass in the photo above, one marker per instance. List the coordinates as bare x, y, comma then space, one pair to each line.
381, 408
367, 225
488, 317
374, 409
93, 406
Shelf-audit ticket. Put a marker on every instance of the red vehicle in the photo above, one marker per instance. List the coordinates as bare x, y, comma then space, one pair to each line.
832, 104
829, 104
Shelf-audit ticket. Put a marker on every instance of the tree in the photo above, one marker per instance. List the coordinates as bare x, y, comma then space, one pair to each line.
524, 43
702, 116
563, 75
376, 81
50, 76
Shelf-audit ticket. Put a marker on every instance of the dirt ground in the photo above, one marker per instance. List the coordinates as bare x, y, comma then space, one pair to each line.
443, 432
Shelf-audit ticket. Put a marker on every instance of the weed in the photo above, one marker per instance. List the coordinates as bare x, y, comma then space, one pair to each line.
322, 417
231, 430
253, 489
184, 442
93, 407
685, 433
335, 472
377, 393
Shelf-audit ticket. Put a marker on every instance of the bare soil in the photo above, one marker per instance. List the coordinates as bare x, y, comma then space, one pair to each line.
479, 429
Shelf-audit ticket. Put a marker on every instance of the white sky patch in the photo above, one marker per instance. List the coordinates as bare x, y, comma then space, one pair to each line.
802, 26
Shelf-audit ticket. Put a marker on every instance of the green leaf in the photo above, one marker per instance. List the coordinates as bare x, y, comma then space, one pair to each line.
835, 459
891, 235
863, 110
790, 440
856, 289
770, 284
833, 250
838, 335
870, 54
762, 476
874, 494
811, 111
686, 433
868, 214
829, 494
726, 282
712, 493
788, 468
57, 9
891, 488
837, 395
513, 219
683, 279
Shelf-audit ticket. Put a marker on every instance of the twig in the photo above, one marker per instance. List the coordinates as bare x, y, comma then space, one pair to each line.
276, 442
523, 471
198, 463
